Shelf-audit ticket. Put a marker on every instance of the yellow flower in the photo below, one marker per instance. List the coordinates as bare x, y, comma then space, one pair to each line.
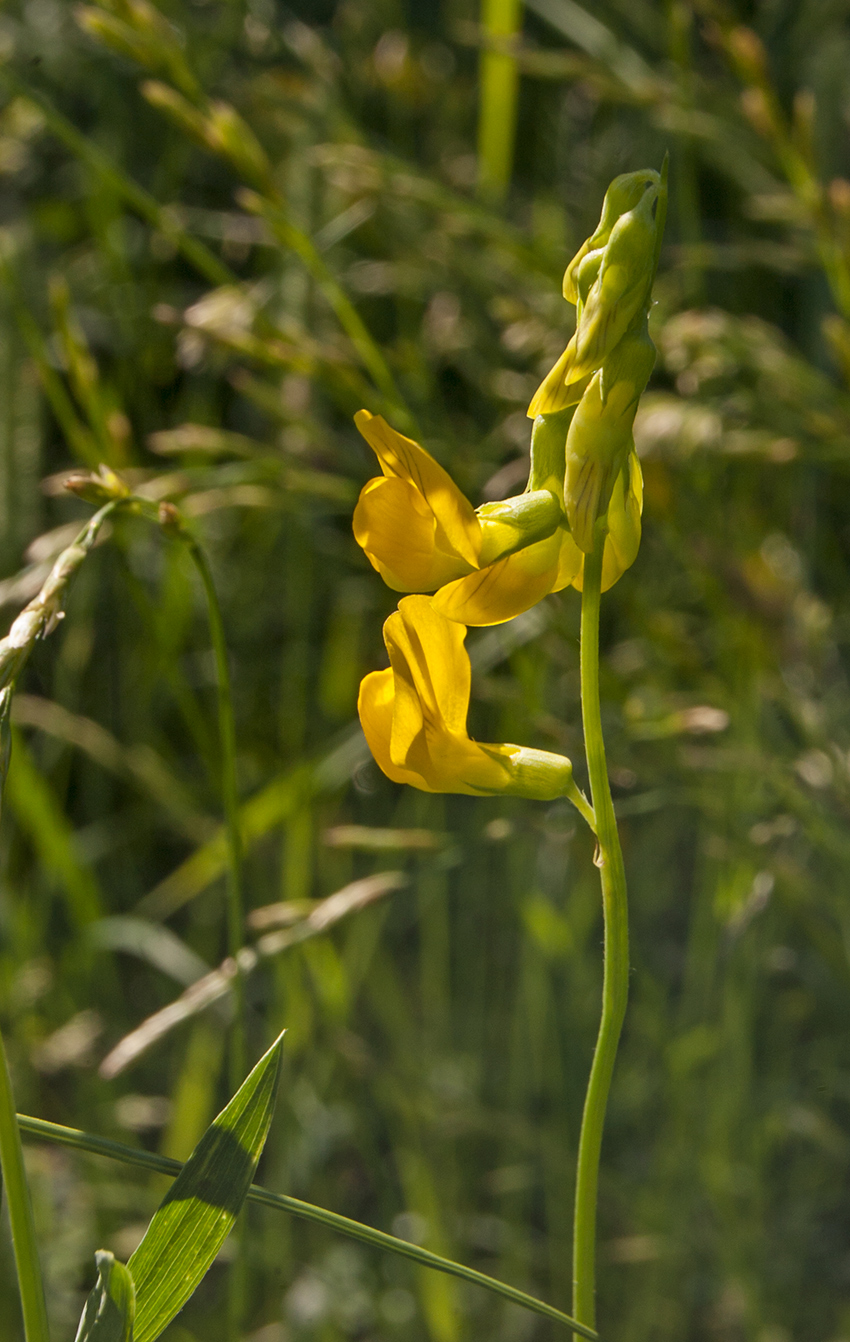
421, 534
414, 717
416, 527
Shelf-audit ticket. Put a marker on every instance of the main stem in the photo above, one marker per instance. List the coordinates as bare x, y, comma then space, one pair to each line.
615, 987
18, 1202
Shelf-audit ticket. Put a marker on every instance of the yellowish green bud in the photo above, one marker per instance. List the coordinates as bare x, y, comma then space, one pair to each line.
600, 435
621, 289
624, 193
610, 281
99, 487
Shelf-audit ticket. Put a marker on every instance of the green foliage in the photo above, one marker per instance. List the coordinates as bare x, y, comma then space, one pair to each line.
136, 1303
110, 1308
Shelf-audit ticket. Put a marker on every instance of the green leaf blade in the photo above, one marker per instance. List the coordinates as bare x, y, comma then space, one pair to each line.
110, 1308
200, 1209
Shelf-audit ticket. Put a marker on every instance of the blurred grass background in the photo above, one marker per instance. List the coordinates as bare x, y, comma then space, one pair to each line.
421, 175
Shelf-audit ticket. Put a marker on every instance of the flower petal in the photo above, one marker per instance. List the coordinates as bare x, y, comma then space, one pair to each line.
554, 394
570, 562
395, 526
375, 707
402, 457
458, 764
504, 589
426, 651
624, 528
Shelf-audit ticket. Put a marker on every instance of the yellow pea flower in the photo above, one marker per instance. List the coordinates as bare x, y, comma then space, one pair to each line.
421, 534
415, 525
414, 718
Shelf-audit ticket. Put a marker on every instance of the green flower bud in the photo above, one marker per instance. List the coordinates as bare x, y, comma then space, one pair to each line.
97, 487
600, 435
621, 289
513, 524
610, 281
624, 193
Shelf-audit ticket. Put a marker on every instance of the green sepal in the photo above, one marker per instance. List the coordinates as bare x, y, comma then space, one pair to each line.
110, 1309
512, 524
537, 774
548, 448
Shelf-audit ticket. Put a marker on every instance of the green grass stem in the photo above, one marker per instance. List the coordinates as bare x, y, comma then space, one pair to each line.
237, 1294
500, 22
230, 802
30, 1283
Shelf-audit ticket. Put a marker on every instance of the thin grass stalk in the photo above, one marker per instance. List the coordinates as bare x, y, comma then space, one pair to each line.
230, 802
499, 78
19, 1204
615, 988
238, 1054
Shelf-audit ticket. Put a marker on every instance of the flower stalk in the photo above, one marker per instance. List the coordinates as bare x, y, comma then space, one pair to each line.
615, 988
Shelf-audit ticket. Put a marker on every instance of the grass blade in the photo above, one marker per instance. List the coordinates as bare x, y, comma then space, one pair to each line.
41, 1128
19, 1207
199, 1211
110, 1308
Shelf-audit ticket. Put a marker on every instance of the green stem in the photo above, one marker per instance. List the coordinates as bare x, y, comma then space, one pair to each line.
501, 21
580, 802
18, 1202
230, 799
615, 988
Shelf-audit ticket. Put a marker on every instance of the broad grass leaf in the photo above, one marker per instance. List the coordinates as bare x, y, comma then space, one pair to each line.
199, 1210
109, 1310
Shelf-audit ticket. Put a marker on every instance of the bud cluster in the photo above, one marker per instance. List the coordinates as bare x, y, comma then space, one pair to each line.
607, 364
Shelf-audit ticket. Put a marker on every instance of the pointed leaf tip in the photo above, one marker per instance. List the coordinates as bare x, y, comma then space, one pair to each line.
109, 1310
199, 1210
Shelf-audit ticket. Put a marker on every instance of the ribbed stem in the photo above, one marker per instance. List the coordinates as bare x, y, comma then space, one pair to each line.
615, 988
